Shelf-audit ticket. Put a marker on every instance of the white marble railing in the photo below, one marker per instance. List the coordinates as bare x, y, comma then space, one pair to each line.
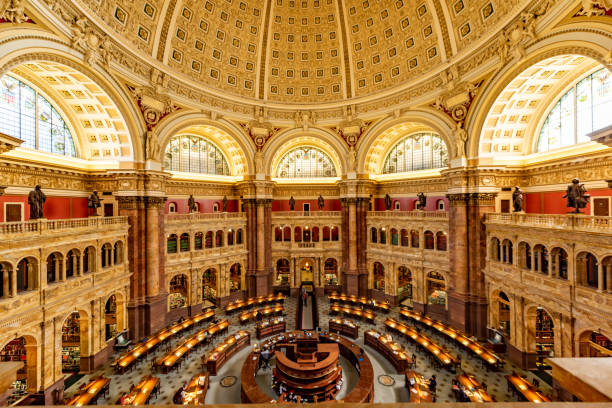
218, 216
311, 214
575, 222
40, 226
440, 215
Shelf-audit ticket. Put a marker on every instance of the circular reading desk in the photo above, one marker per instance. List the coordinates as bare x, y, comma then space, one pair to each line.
310, 367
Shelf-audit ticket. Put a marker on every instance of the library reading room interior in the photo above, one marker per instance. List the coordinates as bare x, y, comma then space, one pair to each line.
305, 201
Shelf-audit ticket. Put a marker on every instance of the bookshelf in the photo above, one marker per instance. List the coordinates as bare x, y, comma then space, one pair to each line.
544, 338
15, 351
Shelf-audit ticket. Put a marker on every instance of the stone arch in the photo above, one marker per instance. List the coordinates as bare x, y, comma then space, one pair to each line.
584, 341
316, 137
85, 334
30, 344
237, 147
18, 51
372, 150
593, 44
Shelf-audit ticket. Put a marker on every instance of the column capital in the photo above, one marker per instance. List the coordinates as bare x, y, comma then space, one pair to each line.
471, 199
140, 202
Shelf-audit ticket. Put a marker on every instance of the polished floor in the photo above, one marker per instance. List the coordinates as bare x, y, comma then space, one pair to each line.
218, 394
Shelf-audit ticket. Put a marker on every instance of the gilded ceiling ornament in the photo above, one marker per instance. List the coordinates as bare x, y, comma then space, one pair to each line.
152, 100
13, 11
594, 8
259, 129
95, 47
514, 39
461, 136
304, 119
351, 128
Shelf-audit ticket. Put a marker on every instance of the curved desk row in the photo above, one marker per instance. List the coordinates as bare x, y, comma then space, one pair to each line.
140, 394
220, 354
267, 311
257, 301
365, 315
394, 352
360, 301
344, 327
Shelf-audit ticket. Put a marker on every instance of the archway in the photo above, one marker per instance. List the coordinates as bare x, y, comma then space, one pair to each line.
54, 267
595, 344
503, 309
209, 285
436, 289
282, 272
72, 342
378, 274
404, 286
540, 335
330, 268
235, 277
73, 263
306, 272
22, 349
177, 295
111, 326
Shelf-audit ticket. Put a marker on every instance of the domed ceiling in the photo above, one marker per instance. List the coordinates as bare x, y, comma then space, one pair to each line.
304, 51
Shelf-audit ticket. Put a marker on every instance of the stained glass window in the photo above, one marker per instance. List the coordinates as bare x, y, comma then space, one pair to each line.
29, 116
306, 161
581, 110
419, 151
195, 154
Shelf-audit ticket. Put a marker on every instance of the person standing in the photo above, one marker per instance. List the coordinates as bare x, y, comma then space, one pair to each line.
304, 296
432, 387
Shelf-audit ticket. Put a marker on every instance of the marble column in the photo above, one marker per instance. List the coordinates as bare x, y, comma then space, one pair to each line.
351, 274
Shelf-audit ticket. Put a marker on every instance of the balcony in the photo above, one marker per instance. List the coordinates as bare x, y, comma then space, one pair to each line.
310, 214
565, 222
190, 218
410, 215
10, 230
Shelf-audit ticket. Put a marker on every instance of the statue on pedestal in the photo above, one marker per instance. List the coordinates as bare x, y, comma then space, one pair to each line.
291, 203
36, 199
421, 201
224, 203
93, 203
387, 202
321, 202
192, 204
576, 195
517, 200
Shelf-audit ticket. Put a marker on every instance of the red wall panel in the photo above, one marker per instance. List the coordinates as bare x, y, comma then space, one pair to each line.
329, 205
54, 208
552, 202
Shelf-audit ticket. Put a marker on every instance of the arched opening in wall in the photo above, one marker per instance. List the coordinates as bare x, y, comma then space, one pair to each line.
197, 207
54, 267
219, 239
198, 241
382, 236
118, 253
404, 286
230, 237
215, 207
306, 272
436, 289
235, 277
440, 241
22, 349
297, 234
172, 244
606, 265
6, 280
524, 255
595, 344
287, 234
429, 240
27, 274
335, 233
282, 272
106, 253
111, 328
89, 260
374, 235
507, 252
73, 260
178, 291
540, 259
71, 343
184, 242
396, 205
394, 237
440, 206
171, 208
405, 238
306, 235
330, 269
378, 272
495, 250
278, 234
208, 242
587, 270
315, 234
540, 335
239, 236
326, 234
559, 262
504, 313
414, 239
209, 285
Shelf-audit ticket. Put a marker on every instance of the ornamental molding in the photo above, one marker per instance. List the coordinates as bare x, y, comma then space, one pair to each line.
8, 143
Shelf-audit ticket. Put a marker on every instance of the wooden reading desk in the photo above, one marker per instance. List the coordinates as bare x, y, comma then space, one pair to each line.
418, 387
195, 392
141, 393
351, 311
393, 351
220, 354
344, 327
90, 392
526, 389
264, 312
270, 327
258, 301
472, 388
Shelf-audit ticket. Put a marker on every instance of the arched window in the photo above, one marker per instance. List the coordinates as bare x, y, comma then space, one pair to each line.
441, 241
524, 255
418, 151
306, 161
172, 208
297, 234
396, 205
540, 257
507, 255
118, 253
184, 243
326, 234
374, 235
394, 237
73, 259
219, 239
208, 241
559, 263
239, 237
440, 205
383, 236
414, 239
195, 154
230, 237
306, 234
278, 234
315, 234
198, 241
287, 234
580, 111
172, 244
429, 240
29, 116
335, 233
495, 250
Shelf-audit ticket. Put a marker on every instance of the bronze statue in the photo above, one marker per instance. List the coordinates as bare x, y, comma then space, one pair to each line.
517, 200
321, 202
291, 203
421, 201
387, 202
93, 203
224, 203
192, 204
36, 199
576, 195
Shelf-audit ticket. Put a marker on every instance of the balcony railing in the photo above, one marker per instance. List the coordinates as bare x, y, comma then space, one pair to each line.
441, 215
574, 222
189, 217
306, 214
40, 226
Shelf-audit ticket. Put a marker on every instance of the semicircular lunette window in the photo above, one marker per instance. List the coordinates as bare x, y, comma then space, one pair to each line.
583, 109
195, 154
29, 116
419, 151
305, 162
